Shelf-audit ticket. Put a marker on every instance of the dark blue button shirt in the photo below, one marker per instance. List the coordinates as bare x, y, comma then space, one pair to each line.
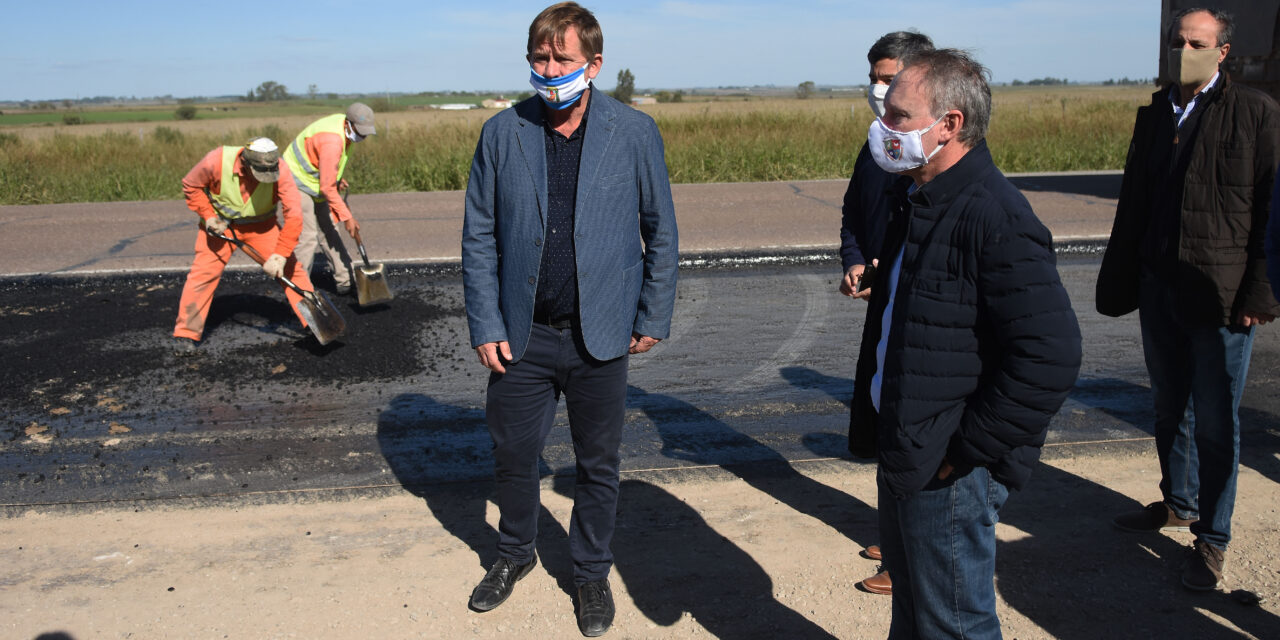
556, 301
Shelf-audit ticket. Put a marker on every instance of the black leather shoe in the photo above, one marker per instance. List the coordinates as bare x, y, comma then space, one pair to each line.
499, 582
595, 608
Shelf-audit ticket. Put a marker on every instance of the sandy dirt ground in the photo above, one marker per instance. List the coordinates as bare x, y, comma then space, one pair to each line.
698, 554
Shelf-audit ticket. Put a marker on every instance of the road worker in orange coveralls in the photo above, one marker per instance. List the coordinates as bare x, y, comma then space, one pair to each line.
234, 191
318, 158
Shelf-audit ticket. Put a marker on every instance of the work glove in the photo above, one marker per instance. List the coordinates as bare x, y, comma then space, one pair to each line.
274, 266
215, 225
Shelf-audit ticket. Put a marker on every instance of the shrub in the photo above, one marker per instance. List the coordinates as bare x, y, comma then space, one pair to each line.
383, 105
272, 131
165, 135
72, 118
185, 112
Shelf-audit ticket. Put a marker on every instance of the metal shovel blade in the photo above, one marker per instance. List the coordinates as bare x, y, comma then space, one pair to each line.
324, 319
371, 285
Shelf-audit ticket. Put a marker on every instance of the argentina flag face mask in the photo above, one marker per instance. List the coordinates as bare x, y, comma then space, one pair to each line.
562, 92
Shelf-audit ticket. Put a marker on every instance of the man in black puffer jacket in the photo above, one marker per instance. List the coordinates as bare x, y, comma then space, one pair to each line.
970, 348
1186, 251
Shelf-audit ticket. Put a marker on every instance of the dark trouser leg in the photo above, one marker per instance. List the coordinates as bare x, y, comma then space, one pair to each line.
595, 395
940, 548
520, 408
1168, 353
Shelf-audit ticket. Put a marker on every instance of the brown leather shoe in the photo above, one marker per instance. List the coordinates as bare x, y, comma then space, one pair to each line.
1153, 517
872, 552
879, 583
1204, 570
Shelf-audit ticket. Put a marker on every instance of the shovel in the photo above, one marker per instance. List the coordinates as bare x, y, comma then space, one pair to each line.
324, 319
371, 279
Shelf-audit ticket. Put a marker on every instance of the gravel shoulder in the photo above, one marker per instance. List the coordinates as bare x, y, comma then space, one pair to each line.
699, 553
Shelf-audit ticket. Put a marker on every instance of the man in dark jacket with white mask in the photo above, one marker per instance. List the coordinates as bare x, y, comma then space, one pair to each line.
969, 349
1186, 251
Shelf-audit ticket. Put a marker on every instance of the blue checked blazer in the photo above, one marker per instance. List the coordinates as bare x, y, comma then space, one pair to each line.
625, 235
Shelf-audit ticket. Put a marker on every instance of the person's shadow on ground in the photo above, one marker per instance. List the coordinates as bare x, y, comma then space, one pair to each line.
1073, 573
1080, 578
690, 434
259, 312
672, 562
443, 454
1117, 582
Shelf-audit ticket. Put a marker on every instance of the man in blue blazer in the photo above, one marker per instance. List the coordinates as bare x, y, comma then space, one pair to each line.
569, 263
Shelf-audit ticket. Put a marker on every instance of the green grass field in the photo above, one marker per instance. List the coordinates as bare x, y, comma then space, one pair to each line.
1033, 129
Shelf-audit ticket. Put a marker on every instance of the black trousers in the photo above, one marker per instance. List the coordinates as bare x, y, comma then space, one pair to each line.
520, 409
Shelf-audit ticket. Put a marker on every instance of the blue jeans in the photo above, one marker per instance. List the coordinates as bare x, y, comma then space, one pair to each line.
1197, 377
520, 409
939, 547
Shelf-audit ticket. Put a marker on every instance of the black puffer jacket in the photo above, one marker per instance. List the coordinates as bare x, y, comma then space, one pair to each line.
984, 345
1226, 176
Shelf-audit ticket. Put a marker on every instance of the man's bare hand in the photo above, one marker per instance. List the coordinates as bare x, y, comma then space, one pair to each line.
493, 354
641, 344
945, 469
1252, 319
849, 285
353, 227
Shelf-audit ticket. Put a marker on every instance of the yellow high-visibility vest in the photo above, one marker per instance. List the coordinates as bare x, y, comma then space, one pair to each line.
305, 174
228, 202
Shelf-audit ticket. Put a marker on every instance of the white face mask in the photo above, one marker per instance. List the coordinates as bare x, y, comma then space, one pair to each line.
352, 135
562, 92
875, 98
899, 151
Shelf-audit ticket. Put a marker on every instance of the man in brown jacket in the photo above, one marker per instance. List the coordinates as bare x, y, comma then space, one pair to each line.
1186, 251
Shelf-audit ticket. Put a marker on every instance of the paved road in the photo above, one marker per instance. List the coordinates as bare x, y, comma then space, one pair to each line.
750, 343
757, 372
110, 446
426, 227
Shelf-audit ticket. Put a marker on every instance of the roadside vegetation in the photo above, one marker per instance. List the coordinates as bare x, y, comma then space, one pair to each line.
724, 140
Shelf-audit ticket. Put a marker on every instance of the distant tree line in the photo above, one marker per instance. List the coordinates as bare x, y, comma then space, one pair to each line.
1038, 82
1127, 82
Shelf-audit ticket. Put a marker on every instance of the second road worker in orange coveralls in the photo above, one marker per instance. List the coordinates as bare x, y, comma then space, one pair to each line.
234, 191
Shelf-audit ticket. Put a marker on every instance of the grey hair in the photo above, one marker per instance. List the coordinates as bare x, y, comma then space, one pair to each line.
1226, 23
954, 80
898, 45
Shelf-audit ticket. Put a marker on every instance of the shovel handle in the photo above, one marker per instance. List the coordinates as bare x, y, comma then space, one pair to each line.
257, 257
359, 242
363, 256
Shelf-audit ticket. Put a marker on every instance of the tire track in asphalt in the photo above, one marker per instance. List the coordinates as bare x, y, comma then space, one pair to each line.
694, 294
811, 324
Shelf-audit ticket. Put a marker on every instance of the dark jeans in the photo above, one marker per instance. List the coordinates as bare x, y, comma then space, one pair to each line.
1197, 376
520, 409
939, 546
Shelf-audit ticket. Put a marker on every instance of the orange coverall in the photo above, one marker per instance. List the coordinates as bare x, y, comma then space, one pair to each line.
212, 254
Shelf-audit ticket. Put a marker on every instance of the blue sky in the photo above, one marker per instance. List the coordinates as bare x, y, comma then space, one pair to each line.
67, 49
